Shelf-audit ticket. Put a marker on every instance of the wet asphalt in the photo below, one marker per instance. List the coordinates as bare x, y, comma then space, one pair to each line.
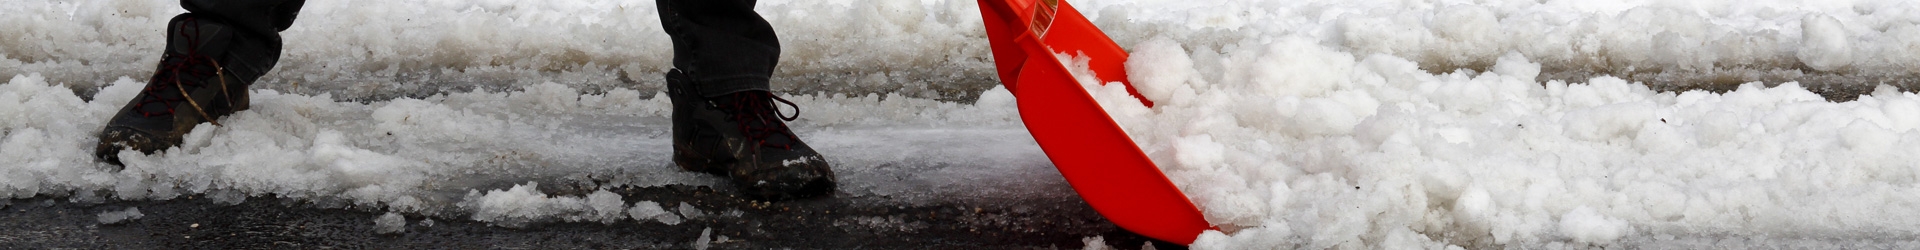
735, 223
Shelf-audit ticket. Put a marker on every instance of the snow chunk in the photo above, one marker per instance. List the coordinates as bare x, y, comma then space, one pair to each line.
116, 217
1824, 42
511, 207
390, 223
647, 210
1515, 65
1097, 243
1585, 225
1166, 71
521, 204
691, 213
702, 242
606, 207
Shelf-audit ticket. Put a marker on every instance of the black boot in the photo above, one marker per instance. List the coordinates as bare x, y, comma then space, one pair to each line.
195, 82
742, 136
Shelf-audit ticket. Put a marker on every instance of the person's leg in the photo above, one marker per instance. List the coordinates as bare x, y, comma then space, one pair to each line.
258, 24
212, 53
722, 44
725, 121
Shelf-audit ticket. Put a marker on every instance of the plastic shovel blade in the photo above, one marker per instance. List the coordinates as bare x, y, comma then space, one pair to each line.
1098, 158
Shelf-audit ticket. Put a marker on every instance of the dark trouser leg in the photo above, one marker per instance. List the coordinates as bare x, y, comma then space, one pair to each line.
256, 46
722, 44
724, 120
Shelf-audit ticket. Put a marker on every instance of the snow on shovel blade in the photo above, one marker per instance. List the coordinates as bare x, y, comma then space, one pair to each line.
1089, 149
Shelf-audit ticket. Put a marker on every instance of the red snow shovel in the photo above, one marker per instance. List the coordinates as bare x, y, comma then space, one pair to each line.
1096, 157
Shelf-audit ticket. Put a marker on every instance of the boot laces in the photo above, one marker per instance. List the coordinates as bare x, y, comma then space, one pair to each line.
760, 119
172, 67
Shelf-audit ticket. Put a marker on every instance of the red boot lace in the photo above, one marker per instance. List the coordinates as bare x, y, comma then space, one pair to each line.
171, 68
758, 108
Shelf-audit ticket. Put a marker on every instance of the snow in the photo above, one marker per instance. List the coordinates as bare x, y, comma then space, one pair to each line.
1585, 225
390, 223
1292, 124
524, 203
120, 216
651, 211
1095, 243
483, 155
1292, 142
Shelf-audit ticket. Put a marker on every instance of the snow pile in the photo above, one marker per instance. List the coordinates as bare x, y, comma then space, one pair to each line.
371, 49
1291, 143
483, 155
1734, 39
377, 50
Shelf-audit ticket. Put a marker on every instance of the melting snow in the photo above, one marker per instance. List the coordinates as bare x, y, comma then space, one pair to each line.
1293, 124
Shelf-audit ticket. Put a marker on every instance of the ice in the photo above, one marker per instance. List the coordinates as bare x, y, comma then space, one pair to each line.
690, 212
390, 223
651, 211
117, 217
606, 207
702, 242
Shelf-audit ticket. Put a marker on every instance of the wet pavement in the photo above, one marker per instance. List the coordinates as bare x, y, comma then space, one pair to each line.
735, 223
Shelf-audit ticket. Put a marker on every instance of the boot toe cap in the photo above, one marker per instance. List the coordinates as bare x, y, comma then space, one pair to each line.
785, 180
114, 139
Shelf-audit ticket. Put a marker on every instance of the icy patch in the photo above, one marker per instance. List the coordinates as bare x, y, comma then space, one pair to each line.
117, 217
